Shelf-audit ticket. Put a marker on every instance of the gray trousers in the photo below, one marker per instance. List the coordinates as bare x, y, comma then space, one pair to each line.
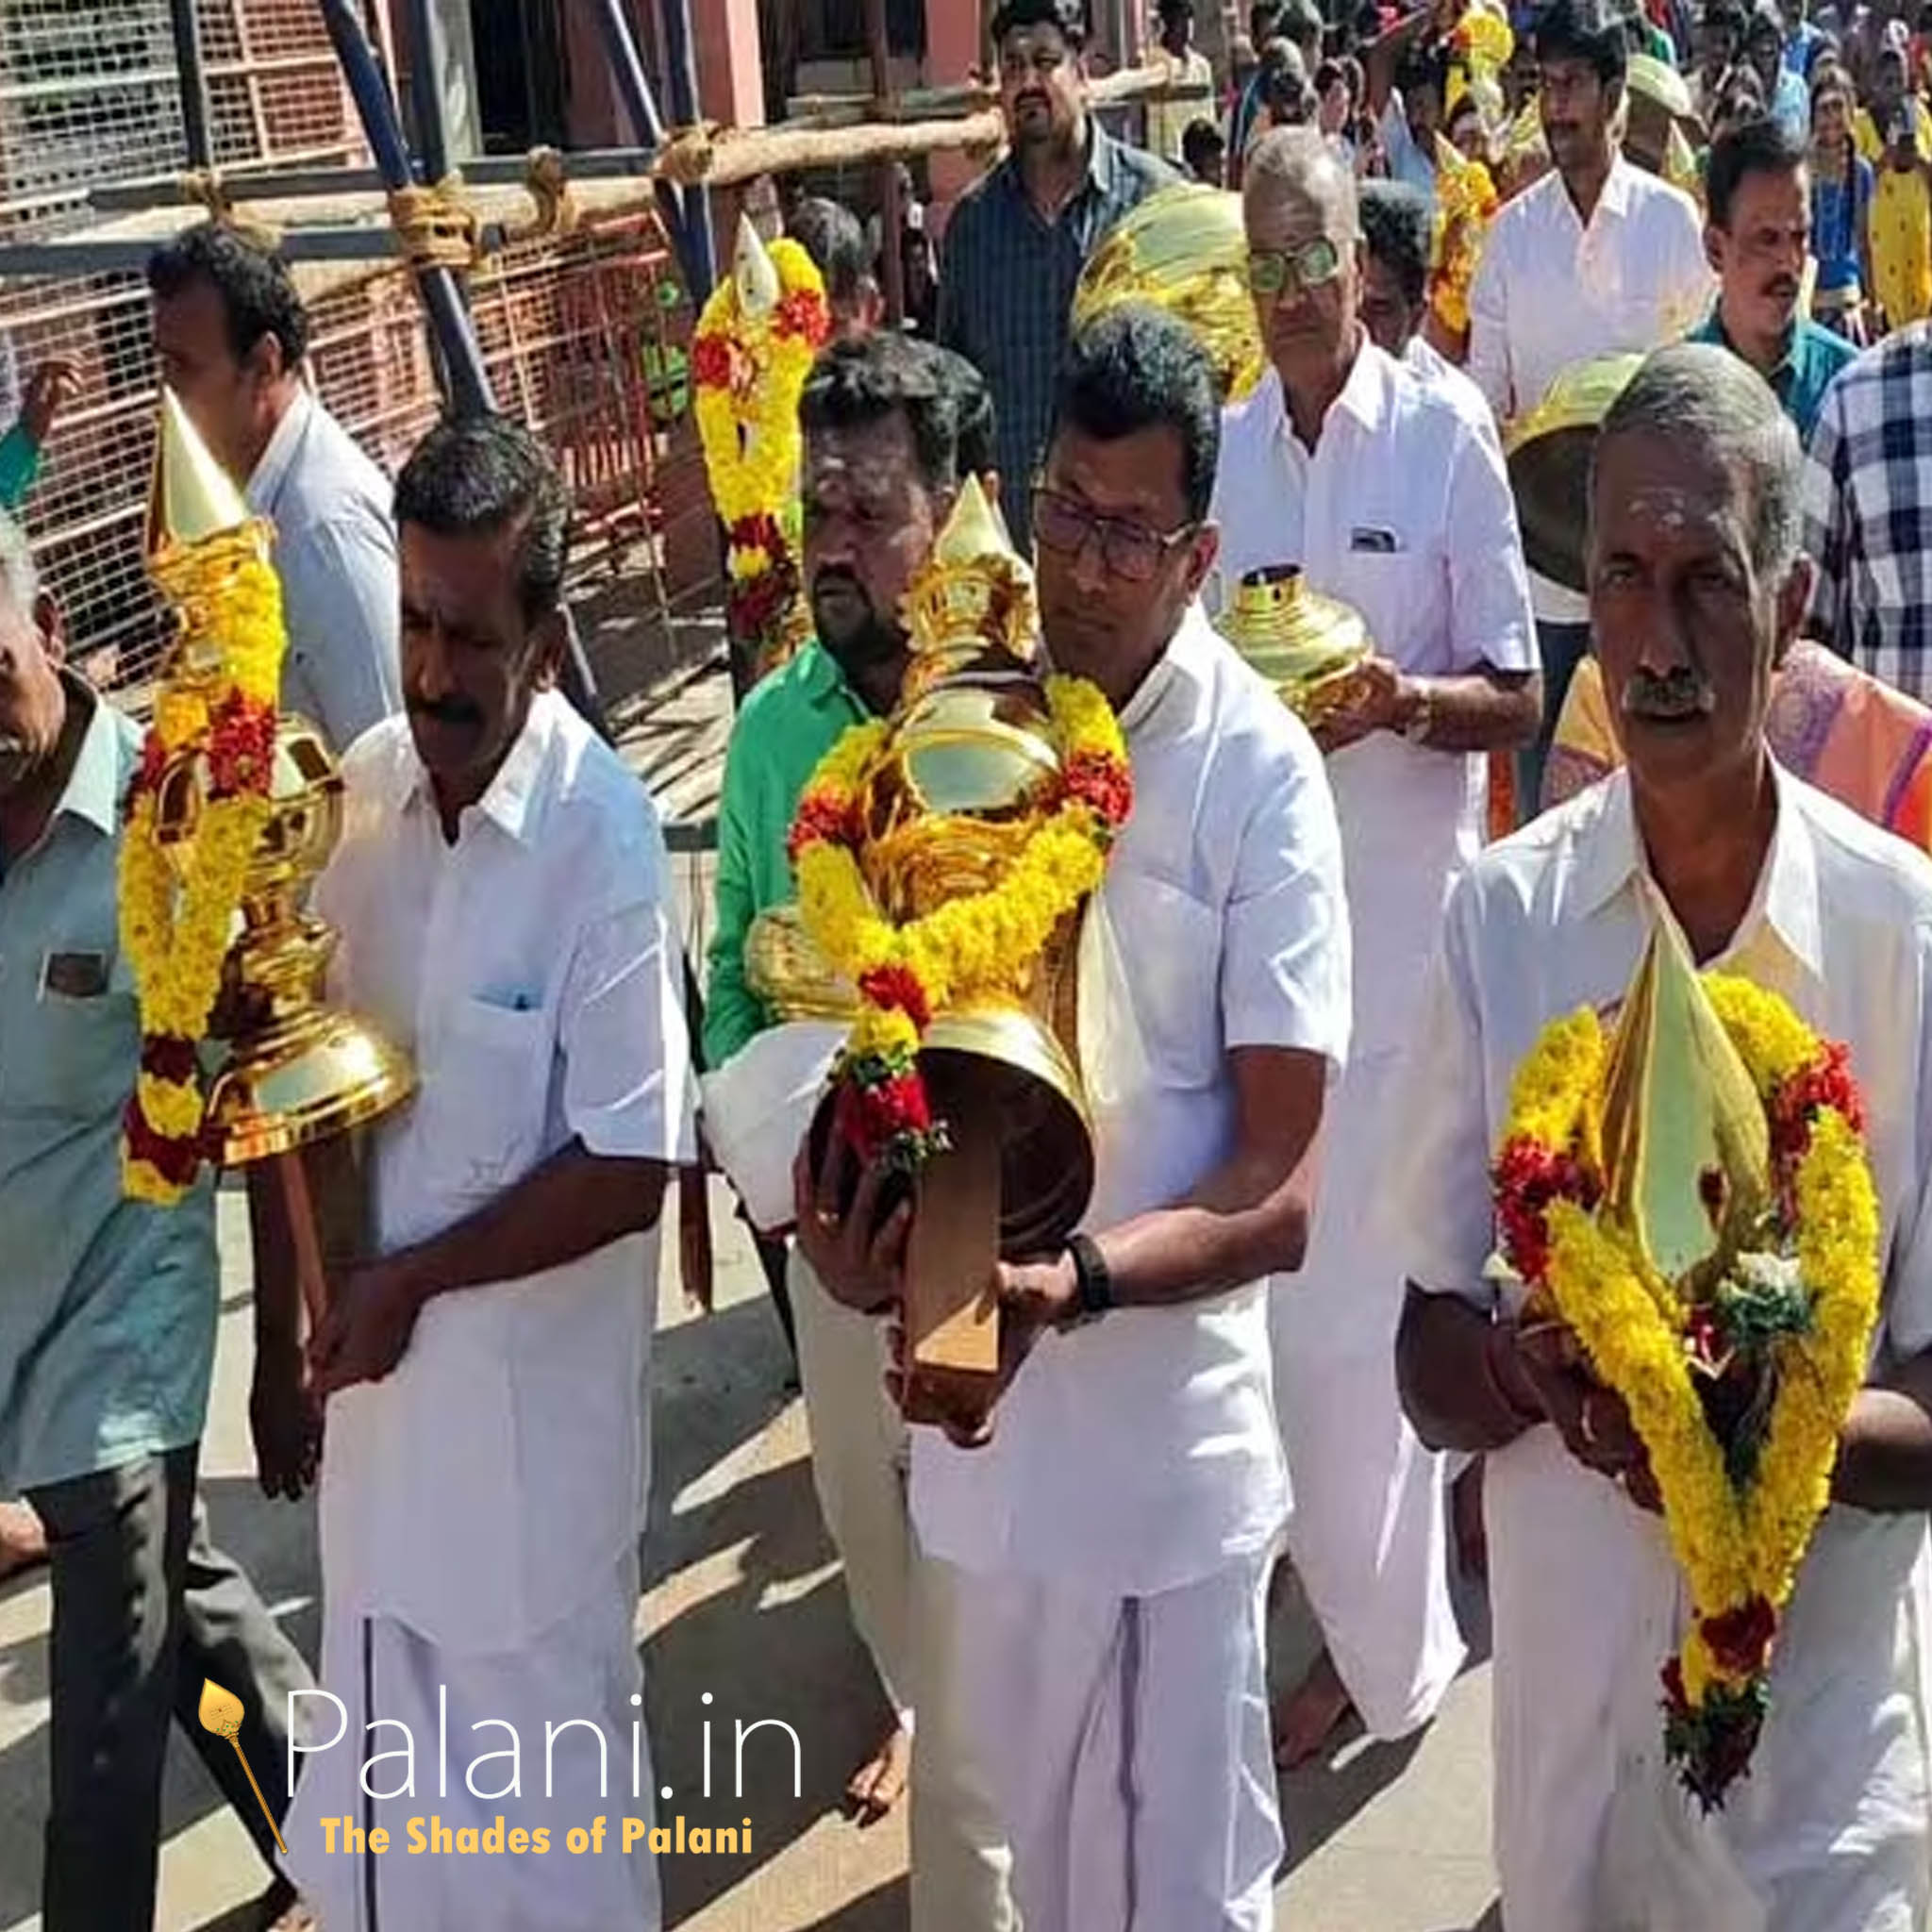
145, 1608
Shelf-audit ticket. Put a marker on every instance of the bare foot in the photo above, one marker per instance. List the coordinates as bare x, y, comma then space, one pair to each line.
1309, 1715
22, 1542
1466, 1518
879, 1783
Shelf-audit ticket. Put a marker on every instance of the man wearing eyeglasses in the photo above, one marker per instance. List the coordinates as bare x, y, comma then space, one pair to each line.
1108, 1542
1017, 240
1388, 492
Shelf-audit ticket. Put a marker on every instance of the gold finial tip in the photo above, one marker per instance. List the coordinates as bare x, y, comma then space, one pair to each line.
1687, 1153
194, 498
975, 530
754, 270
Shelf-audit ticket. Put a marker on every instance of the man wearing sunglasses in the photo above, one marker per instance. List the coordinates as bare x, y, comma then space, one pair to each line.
1388, 492
1019, 238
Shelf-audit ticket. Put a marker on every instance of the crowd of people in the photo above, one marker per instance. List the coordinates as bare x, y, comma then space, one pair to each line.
1276, 1345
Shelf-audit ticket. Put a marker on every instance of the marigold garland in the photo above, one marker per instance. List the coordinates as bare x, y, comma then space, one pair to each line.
748, 374
1739, 1544
968, 949
177, 916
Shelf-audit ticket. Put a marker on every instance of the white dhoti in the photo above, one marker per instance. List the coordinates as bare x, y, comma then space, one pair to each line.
858, 1465
859, 1460
585, 1667
1368, 1527
1127, 1742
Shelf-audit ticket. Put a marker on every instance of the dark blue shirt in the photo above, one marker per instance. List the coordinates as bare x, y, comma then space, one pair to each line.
1007, 282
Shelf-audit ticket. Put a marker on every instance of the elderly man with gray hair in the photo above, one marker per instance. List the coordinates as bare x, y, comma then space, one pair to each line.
107, 1320
1387, 491
1697, 588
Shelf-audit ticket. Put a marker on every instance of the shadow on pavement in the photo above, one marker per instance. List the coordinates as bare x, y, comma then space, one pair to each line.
766, 1630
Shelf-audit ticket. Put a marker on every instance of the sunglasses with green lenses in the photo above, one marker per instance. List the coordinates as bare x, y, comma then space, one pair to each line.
1279, 270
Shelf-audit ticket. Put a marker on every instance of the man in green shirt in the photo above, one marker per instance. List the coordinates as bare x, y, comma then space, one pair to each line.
892, 425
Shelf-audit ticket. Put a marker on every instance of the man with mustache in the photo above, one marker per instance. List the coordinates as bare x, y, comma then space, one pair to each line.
1597, 257
1387, 488
1757, 235
891, 428
106, 1323
1697, 586
1016, 243
1103, 1543
504, 909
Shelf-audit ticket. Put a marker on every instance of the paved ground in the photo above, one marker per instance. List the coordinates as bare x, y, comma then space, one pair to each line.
743, 1599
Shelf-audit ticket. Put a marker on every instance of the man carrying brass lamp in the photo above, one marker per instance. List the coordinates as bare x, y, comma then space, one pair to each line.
1104, 1538
1388, 493
502, 898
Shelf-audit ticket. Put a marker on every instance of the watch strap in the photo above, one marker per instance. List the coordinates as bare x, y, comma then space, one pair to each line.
1092, 1279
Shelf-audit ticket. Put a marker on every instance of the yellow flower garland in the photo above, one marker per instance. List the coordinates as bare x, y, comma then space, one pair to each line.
176, 927
973, 947
748, 424
1733, 1547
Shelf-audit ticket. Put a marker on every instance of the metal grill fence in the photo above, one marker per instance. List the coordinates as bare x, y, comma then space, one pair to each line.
585, 336
585, 339
89, 94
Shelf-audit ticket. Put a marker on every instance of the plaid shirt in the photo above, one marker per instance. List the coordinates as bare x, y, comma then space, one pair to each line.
1868, 513
1007, 282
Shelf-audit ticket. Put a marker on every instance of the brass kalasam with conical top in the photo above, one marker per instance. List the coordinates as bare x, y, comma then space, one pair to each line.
1549, 452
956, 790
302, 1070
1309, 647
1183, 250
1685, 1150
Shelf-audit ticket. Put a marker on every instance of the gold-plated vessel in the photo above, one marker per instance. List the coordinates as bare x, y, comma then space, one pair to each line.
1685, 1150
1549, 452
785, 970
300, 1070
1183, 250
1309, 647
955, 796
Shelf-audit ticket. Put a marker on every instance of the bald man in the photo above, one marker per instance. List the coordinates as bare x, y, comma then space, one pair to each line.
1388, 492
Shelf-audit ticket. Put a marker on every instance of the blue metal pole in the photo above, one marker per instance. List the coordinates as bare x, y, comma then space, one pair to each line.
469, 392
681, 80
427, 63
467, 381
679, 205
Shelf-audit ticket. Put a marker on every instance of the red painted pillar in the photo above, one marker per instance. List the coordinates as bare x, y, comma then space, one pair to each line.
953, 48
731, 80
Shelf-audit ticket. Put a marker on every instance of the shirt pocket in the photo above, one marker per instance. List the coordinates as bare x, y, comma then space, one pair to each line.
1394, 591
74, 1054
485, 1095
1169, 945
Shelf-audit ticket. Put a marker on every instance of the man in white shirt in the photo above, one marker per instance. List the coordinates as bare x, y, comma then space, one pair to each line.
1390, 492
1596, 257
504, 902
232, 336
1697, 588
1108, 1548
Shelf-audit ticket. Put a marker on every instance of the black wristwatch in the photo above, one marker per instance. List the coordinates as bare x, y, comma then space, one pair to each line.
1092, 1283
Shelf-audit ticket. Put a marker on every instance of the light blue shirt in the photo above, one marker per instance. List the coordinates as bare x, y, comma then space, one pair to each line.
107, 1307
335, 552
1790, 105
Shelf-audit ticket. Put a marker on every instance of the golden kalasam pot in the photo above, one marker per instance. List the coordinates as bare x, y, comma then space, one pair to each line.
1183, 250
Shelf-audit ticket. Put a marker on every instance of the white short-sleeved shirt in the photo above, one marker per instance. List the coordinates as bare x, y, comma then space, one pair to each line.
1549, 292
531, 970
1141, 1451
1829, 1831
1403, 511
